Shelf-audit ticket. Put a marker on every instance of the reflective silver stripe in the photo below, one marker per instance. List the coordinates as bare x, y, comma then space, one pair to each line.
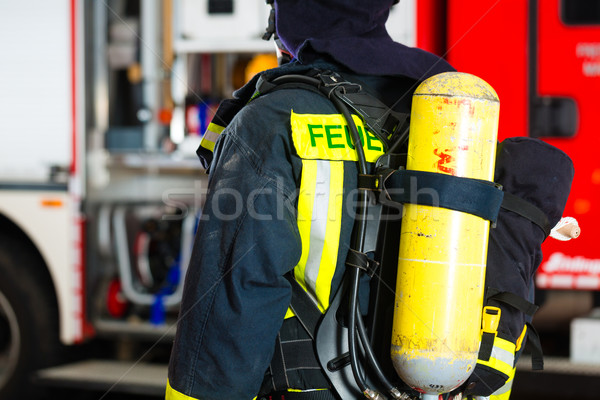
503, 355
211, 136
318, 226
503, 390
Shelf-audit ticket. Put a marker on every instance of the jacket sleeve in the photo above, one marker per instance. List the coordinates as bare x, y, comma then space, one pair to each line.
235, 296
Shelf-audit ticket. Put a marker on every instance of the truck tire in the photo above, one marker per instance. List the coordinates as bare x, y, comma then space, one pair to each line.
28, 318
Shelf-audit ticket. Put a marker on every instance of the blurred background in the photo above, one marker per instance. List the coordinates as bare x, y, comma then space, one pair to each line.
102, 107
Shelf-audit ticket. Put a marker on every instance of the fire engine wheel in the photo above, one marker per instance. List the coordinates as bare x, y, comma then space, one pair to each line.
28, 319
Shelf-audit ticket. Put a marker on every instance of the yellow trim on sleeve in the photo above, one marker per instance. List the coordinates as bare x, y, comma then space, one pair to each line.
216, 128
172, 394
211, 135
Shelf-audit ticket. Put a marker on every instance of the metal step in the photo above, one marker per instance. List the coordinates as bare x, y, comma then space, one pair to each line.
560, 366
138, 330
108, 376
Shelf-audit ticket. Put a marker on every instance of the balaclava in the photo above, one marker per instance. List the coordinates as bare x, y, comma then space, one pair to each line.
353, 33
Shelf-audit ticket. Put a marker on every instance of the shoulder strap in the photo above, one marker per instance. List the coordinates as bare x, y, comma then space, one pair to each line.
304, 307
527, 210
495, 296
382, 121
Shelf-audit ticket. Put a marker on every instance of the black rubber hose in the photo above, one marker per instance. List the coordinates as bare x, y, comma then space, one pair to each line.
297, 78
358, 245
352, 340
366, 344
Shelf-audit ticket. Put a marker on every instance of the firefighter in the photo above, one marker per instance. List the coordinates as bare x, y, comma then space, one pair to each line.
281, 199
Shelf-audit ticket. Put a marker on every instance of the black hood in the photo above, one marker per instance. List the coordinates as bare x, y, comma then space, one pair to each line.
353, 33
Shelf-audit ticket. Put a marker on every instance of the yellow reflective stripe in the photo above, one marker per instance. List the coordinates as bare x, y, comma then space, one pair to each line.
211, 135
207, 144
503, 356
305, 210
332, 233
214, 130
172, 394
326, 137
319, 224
505, 345
306, 201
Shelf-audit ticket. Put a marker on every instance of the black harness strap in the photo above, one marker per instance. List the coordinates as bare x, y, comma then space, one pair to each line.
304, 307
369, 182
473, 196
521, 304
382, 121
527, 210
495, 296
535, 345
362, 261
487, 346
296, 354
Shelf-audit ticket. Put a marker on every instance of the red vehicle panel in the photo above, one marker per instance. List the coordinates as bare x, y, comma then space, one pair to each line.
543, 59
569, 66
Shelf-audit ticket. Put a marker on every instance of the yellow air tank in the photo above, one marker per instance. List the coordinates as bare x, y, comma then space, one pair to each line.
442, 257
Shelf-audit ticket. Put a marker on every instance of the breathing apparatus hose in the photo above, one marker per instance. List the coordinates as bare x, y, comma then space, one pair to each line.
358, 243
364, 338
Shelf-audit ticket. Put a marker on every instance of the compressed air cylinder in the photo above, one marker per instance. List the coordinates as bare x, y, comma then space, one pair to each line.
442, 257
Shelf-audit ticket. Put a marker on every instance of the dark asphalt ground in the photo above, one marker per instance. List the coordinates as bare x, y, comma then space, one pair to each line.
527, 387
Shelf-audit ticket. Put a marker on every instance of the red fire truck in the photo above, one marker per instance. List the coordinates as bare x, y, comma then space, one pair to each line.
97, 209
543, 58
